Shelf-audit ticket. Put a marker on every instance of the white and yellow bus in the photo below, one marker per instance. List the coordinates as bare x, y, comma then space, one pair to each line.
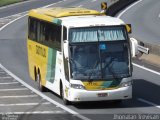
79, 54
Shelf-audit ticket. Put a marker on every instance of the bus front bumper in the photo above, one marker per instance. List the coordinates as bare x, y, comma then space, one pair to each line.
77, 95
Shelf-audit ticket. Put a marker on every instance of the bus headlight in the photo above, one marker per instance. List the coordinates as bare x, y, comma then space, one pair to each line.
126, 84
77, 86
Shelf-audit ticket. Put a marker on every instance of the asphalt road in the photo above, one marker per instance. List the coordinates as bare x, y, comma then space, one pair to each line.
146, 88
22, 7
15, 99
145, 20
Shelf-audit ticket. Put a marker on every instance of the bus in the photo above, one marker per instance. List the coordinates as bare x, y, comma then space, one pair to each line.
79, 54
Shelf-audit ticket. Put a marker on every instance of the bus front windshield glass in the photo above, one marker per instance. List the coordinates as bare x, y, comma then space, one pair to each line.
99, 53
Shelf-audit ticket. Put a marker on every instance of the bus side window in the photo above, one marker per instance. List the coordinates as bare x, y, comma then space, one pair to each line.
32, 29
42, 32
53, 36
45, 33
64, 33
49, 32
58, 39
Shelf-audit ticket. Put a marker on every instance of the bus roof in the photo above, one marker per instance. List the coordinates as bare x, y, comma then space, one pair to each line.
74, 17
91, 21
58, 12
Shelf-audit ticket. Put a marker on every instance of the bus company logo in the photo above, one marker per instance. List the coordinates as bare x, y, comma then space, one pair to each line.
40, 51
92, 84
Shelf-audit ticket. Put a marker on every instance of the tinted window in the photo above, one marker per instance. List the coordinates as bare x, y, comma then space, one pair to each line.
45, 33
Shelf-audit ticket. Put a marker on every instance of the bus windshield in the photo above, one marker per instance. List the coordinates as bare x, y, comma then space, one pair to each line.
97, 58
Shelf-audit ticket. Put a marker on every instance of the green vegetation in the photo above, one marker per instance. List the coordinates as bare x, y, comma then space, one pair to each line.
7, 2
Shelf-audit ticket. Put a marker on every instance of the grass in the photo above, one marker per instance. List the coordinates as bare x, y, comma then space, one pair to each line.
7, 2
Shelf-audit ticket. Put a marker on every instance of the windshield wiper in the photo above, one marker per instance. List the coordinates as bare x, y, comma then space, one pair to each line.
93, 71
107, 64
113, 73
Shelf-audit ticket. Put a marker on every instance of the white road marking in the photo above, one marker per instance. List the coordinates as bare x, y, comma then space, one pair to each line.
94, 0
44, 96
24, 104
159, 16
14, 89
34, 112
54, 3
148, 102
15, 4
9, 83
11, 22
14, 15
119, 16
26, 14
22, 96
2, 72
147, 69
6, 77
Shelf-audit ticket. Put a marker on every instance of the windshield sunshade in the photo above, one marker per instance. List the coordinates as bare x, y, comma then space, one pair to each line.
94, 34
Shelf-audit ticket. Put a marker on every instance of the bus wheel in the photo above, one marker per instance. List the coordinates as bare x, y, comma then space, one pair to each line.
40, 86
66, 102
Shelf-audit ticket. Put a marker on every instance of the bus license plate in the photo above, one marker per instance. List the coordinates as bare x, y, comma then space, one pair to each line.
102, 94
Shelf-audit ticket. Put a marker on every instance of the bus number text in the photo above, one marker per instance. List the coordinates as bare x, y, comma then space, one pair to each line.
40, 51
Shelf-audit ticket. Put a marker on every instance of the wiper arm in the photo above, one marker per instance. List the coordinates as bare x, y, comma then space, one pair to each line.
95, 64
113, 73
107, 64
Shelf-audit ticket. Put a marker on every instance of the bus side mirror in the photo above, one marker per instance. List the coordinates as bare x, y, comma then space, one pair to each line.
65, 49
129, 28
134, 47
